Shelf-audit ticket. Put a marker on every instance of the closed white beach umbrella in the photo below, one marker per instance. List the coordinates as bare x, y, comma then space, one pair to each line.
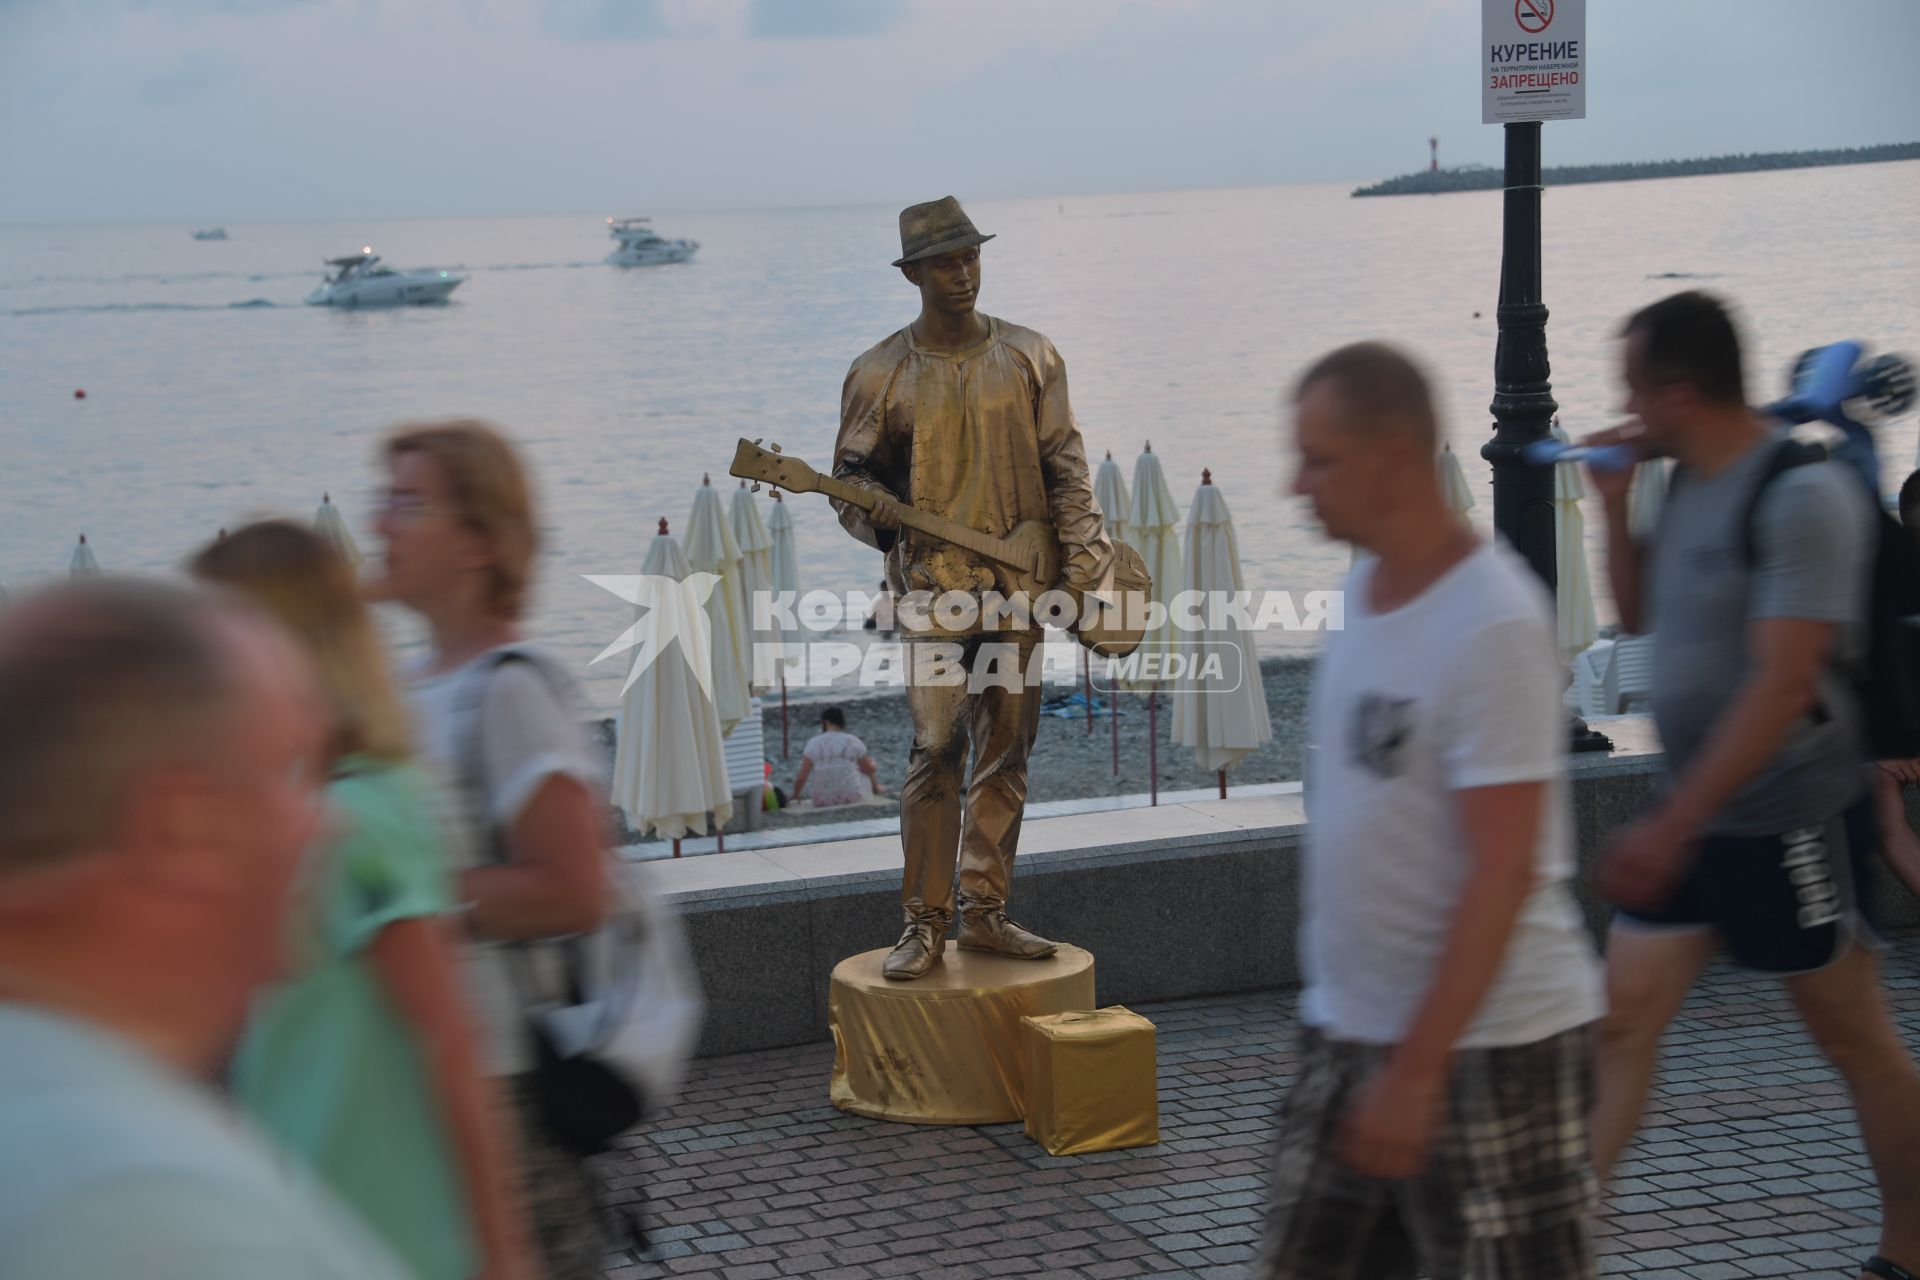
1453, 482
1573, 596
331, 525
1110, 491
1223, 719
756, 576
1648, 496
83, 564
669, 768
711, 549
1153, 529
784, 557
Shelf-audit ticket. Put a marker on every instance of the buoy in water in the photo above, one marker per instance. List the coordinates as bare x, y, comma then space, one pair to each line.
79, 393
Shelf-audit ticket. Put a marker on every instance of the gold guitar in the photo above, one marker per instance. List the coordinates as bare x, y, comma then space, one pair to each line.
1026, 561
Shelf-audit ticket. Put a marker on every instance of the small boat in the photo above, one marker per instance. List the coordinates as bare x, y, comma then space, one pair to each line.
211, 233
642, 246
362, 280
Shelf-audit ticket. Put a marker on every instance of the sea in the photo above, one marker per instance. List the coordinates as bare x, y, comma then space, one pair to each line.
212, 393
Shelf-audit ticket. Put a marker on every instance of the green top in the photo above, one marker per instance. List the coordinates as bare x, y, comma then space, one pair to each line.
327, 1066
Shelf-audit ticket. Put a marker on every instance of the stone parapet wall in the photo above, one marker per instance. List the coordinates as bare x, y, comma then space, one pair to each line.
1180, 900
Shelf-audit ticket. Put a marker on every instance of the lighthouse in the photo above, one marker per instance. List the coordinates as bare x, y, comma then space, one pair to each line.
1433, 151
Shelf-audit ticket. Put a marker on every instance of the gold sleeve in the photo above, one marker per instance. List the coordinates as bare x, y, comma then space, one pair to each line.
862, 454
1084, 545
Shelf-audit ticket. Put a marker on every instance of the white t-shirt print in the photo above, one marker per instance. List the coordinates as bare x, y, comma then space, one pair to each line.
1457, 689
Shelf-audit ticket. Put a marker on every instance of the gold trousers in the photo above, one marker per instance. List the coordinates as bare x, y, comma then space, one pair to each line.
995, 711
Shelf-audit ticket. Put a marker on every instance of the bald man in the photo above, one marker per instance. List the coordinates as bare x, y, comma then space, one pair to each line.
160, 753
1437, 1123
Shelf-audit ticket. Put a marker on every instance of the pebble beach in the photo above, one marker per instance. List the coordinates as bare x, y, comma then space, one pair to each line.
1068, 762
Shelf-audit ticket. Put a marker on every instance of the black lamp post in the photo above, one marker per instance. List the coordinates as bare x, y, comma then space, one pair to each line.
1523, 404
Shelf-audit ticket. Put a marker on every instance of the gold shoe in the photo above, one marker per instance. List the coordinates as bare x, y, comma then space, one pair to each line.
922, 946
988, 929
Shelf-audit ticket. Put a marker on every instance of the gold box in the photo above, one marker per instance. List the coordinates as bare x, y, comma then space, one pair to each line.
1091, 1081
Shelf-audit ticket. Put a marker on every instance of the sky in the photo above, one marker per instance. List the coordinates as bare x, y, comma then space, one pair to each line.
234, 110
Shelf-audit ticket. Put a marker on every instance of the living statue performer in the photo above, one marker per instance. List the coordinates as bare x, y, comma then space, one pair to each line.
966, 416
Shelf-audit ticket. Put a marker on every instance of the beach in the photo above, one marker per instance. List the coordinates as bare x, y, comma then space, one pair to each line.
1067, 762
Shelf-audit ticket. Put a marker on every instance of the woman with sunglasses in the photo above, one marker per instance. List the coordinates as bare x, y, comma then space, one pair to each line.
501, 721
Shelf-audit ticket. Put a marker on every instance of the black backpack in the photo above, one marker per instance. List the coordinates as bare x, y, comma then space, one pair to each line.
1887, 679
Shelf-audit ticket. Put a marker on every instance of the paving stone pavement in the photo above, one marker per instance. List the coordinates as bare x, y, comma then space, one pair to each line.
1750, 1164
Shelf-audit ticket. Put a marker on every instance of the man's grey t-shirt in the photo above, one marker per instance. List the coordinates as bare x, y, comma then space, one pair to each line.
112, 1166
1813, 538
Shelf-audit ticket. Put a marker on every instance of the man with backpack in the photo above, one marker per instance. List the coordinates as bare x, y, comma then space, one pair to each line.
1756, 586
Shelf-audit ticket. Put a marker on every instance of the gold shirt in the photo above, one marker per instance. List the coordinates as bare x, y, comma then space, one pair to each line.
983, 436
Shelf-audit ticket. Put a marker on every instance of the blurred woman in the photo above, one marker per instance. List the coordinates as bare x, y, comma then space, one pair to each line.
837, 763
501, 721
365, 1063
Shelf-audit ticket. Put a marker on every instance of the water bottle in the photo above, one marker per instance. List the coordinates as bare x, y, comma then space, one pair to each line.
1600, 457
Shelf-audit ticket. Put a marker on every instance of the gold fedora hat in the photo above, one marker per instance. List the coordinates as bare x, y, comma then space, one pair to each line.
936, 227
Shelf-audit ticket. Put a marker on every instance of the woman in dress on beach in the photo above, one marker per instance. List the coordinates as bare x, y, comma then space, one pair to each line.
500, 720
364, 1063
837, 763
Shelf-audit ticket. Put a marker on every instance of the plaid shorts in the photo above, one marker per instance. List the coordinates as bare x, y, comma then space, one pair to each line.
1508, 1192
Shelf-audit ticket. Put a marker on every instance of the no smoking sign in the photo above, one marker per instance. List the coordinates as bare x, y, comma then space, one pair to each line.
1533, 61
1534, 16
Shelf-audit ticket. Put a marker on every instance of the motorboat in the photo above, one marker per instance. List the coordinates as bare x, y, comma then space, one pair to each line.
362, 280
642, 246
211, 233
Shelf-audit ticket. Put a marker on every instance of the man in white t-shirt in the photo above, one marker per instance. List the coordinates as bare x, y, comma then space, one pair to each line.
159, 783
1438, 1123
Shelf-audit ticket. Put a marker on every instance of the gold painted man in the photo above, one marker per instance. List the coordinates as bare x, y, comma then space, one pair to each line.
966, 416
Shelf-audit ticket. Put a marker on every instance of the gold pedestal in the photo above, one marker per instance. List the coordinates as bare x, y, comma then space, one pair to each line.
1091, 1081
946, 1048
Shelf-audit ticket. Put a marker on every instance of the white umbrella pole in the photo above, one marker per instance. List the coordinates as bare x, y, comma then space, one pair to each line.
1086, 686
1153, 745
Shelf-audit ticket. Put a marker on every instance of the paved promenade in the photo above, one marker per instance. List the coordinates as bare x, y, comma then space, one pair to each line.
1750, 1165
